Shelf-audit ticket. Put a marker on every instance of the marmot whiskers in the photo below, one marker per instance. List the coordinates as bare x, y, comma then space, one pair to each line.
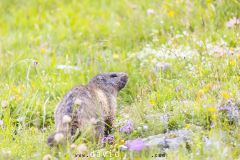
91, 106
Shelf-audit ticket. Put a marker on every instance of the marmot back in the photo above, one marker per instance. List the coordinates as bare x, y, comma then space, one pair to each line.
88, 108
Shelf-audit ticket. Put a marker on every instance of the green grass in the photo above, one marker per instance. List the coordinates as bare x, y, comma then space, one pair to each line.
101, 36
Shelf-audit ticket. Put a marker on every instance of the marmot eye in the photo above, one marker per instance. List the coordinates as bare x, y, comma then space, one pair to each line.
113, 75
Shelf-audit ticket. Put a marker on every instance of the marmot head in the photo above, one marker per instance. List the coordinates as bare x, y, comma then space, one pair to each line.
112, 81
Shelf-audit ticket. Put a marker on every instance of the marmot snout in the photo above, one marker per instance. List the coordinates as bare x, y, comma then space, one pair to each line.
91, 107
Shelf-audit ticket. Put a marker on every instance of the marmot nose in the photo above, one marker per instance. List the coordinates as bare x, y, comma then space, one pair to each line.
124, 77
124, 74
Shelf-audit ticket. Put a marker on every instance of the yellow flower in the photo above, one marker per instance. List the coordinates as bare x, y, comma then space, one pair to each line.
200, 70
187, 126
225, 95
238, 56
137, 158
209, 1
214, 117
232, 63
207, 87
18, 97
15, 89
122, 141
33, 130
212, 109
43, 50
152, 102
112, 147
200, 93
171, 13
115, 56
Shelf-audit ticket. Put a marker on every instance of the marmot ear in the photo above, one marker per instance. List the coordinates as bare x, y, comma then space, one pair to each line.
98, 77
101, 78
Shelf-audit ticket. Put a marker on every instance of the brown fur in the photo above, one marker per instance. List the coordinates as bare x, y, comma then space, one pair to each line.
90, 108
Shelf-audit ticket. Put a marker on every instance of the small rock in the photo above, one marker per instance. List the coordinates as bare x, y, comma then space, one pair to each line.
172, 139
123, 147
169, 140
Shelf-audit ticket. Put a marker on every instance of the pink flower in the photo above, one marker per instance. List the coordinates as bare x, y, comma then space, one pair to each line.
108, 139
135, 145
1, 123
127, 128
232, 22
150, 11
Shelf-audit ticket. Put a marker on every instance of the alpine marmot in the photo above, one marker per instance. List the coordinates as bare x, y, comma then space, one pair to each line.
88, 107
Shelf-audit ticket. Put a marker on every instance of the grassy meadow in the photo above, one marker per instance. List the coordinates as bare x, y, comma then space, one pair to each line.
182, 58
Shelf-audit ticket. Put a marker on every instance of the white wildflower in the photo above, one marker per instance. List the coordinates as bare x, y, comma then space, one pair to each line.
82, 148
58, 137
4, 104
185, 33
93, 121
5, 152
150, 11
67, 67
67, 119
162, 66
77, 102
21, 119
139, 128
73, 146
1, 123
123, 147
47, 157
232, 22
145, 127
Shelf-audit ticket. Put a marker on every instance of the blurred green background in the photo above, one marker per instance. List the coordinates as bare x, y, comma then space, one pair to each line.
87, 37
